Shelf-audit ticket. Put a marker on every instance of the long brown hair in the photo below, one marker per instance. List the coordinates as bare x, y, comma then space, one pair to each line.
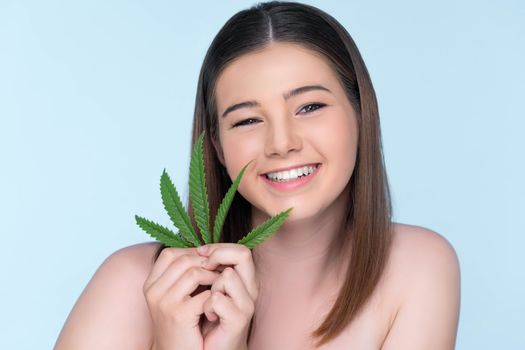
368, 225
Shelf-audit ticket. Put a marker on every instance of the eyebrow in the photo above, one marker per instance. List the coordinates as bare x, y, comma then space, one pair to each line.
286, 96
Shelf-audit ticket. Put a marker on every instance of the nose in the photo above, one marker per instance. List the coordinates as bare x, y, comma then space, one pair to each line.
281, 139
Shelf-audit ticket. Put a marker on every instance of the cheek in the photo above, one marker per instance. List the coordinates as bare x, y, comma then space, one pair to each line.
339, 135
340, 147
347, 147
238, 150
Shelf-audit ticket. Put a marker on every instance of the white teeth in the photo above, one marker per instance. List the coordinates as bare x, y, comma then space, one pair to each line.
291, 174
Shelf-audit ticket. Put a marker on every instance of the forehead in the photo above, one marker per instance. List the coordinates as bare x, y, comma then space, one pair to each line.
269, 72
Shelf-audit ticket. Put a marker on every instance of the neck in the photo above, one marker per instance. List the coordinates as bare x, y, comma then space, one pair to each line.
308, 251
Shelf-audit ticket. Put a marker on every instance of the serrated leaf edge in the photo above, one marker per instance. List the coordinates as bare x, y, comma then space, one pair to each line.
179, 217
224, 207
160, 233
264, 230
198, 192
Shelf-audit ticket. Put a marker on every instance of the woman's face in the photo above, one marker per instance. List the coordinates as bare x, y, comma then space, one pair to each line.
311, 127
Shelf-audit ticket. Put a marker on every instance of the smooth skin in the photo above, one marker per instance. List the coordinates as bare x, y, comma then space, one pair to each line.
230, 308
175, 314
290, 281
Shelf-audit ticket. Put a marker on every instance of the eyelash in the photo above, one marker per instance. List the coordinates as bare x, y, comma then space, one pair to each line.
243, 122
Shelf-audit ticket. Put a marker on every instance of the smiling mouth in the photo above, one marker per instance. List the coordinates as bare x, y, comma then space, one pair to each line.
293, 174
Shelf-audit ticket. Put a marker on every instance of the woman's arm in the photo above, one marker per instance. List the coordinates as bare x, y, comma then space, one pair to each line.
111, 313
428, 275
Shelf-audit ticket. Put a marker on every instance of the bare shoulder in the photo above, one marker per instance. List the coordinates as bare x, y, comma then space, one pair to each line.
101, 317
138, 258
419, 254
130, 264
417, 244
424, 278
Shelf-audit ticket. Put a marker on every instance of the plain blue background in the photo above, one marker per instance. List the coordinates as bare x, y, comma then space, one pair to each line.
97, 97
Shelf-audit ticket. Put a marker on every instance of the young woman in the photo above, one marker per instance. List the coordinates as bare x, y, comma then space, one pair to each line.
284, 85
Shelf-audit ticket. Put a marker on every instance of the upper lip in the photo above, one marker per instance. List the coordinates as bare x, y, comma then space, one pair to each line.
290, 167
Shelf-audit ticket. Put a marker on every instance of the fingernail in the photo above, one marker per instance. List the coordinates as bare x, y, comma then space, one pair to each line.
202, 249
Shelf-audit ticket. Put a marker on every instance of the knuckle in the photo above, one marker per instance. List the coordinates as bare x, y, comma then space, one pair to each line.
245, 253
194, 272
174, 253
184, 259
228, 272
164, 252
167, 256
215, 297
168, 253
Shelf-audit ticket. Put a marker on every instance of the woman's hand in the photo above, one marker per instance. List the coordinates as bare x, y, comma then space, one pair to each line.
230, 307
168, 290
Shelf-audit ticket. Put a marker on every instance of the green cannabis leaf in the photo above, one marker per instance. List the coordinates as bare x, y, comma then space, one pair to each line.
187, 237
198, 193
264, 230
175, 210
225, 205
160, 233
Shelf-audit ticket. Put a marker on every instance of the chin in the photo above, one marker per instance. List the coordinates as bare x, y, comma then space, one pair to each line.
298, 213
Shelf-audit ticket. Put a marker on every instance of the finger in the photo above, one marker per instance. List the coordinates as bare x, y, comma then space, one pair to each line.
237, 255
166, 257
225, 309
230, 284
196, 303
176, 269
210, 304
193, 308
189, 281
208, 311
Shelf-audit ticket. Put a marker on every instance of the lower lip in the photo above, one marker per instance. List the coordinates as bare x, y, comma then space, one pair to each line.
291, 185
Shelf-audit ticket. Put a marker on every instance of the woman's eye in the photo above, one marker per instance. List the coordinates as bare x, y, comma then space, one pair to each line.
308, 109
245, 122
315, 106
